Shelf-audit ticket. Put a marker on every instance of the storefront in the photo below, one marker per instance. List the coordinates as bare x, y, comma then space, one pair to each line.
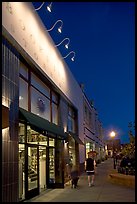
40, 102
71, 153
40, 155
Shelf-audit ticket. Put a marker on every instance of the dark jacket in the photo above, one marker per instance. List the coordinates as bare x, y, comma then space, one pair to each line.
74, 174
90, 164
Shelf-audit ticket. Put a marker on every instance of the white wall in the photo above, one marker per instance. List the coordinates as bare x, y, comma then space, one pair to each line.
24, 25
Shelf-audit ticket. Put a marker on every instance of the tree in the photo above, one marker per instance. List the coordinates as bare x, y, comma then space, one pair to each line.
129, 149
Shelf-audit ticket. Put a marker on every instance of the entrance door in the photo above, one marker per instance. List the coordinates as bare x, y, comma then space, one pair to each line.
51, 168
32, 174
55, 177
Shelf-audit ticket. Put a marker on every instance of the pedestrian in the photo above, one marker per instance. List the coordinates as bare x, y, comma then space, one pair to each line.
74, 177
90, 169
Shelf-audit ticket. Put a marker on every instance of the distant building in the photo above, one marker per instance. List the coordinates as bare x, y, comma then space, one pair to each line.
113, 145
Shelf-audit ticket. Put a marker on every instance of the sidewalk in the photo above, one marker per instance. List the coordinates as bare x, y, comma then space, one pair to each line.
103, 191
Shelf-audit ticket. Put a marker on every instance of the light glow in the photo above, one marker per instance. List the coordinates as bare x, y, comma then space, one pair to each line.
112, 134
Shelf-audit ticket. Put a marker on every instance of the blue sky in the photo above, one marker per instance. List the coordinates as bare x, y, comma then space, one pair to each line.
102, 34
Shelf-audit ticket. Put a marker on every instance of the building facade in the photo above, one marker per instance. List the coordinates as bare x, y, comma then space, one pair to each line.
93, 130
43, 133
41, 130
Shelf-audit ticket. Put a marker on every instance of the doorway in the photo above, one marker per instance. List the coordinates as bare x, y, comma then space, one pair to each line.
32, 173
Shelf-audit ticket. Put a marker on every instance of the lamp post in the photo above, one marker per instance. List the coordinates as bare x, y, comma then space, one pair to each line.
112, 134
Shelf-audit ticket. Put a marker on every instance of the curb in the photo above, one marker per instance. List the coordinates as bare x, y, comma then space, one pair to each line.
122, 179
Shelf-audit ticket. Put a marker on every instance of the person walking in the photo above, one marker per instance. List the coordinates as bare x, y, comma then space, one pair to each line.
90, 169
74, 177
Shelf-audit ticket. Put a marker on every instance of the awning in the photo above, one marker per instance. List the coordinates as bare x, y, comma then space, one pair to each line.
76, 138
41, 124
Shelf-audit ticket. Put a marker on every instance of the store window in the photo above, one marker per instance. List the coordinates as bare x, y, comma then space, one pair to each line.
23, 71
51, 165
40, 104
54, 108
39, 85
71, 121
59, 161
23, 94
34, 137
72, 154
21, 133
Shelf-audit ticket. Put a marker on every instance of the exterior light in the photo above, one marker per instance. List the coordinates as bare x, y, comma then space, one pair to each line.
66, 45
40, 6
72, 58
49, 7
113, 134
60, 28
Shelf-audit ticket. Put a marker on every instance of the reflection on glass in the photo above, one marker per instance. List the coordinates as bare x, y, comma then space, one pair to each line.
32, 168
40, 105
37, 83
72, 159
21, 133
51, 165
23, 94
54, 113
23, 70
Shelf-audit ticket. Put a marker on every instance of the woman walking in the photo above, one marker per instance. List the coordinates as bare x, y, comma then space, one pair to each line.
90, 169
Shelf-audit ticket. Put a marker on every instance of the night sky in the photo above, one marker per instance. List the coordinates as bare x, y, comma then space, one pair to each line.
102, 35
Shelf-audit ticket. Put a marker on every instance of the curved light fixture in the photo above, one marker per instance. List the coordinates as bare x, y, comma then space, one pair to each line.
60, 28
72, 58
66, 45
48, 7
40, 6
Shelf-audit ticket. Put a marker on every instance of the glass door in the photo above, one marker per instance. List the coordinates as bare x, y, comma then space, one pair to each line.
42, 168
55, 169
32, 188
51, 165
21, 171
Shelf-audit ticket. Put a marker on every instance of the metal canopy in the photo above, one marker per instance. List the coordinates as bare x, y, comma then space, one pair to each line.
41, 124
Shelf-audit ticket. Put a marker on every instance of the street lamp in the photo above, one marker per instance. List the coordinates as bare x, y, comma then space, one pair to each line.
112, 134
72, 58
66, 45
60, 28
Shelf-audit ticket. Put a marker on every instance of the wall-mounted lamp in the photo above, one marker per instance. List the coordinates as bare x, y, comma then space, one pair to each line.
60, 28
48, 7
72, 58
66, 45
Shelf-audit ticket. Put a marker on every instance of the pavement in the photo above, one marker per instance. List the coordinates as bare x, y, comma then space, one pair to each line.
102, 191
